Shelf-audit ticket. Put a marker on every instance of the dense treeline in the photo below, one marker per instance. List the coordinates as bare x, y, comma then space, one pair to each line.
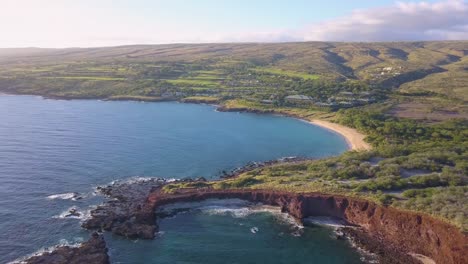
384, 129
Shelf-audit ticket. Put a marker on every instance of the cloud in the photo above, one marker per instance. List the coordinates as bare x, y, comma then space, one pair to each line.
60, 23
403, 21
447, 20
260, 36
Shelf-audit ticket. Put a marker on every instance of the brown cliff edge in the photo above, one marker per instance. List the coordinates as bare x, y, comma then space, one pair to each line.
383, 230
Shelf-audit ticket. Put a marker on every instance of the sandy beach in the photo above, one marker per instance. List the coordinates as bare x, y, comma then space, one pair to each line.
423, 259
353, 137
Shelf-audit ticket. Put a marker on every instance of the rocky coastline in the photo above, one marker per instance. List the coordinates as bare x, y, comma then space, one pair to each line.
393, 234
93, 251
260, 164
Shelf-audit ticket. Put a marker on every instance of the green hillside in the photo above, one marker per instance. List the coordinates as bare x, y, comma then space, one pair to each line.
409, 98
248, 71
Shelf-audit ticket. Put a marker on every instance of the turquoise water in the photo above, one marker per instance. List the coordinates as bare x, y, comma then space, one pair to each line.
53, 147
235, 232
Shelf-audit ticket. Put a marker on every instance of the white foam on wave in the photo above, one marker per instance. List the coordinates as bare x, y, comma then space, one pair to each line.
64, 196
140, 179
206, 204
80, 214
253, 209
63, 242
297, 228
326, 221
236, 208
366, 256
234, 212
337, 224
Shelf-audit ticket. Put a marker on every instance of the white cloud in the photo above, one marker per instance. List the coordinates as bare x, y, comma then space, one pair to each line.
60, 23
445, 20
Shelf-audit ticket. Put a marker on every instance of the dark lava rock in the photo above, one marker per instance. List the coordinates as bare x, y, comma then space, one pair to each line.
126, 213
94, 251
73, 212
201, 179
135, 231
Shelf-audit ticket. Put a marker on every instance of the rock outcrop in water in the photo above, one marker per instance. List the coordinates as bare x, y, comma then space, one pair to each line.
126, 214
94, 251
260, 164
387, 231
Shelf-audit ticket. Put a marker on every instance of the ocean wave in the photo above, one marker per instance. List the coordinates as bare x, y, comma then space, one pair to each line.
65, 196
74, 213
141, 179
296, 227
234, 212
337, 224
366, 256
325, 221
236, 208
63, 242
220, 206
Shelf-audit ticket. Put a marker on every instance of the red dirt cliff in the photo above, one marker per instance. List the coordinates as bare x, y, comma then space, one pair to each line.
409, 232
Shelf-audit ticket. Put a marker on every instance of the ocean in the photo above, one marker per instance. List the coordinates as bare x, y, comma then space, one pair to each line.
53, 151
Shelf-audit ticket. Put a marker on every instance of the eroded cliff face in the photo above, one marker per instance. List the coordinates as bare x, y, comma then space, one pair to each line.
132, 213
408, 232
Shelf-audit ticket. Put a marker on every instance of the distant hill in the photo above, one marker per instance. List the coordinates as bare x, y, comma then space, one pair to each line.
238, 70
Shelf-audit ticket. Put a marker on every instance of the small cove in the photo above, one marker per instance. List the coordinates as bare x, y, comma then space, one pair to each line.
53, 147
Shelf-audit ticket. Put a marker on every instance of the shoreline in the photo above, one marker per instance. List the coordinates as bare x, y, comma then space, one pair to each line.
354, 139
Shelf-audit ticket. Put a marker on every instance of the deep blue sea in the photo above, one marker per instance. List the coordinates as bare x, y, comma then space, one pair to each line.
54, 147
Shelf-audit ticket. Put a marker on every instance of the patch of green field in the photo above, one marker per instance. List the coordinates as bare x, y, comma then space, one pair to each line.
208, 77
135, 98
213, 75
91, 78
194, 82
211, 72
292, 74
100, 69
202, 99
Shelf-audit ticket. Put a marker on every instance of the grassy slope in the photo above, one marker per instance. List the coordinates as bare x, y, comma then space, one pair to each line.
419, 66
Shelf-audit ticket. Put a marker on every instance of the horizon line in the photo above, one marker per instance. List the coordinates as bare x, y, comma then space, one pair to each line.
236, 42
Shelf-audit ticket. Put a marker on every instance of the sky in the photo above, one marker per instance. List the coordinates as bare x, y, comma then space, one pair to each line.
92, 23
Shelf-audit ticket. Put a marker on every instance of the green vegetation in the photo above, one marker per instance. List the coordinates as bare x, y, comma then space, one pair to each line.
414, 166
193, 82
409, 98
449, 203
135, 98
334, 75
202, 99
92, 78
292, 74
